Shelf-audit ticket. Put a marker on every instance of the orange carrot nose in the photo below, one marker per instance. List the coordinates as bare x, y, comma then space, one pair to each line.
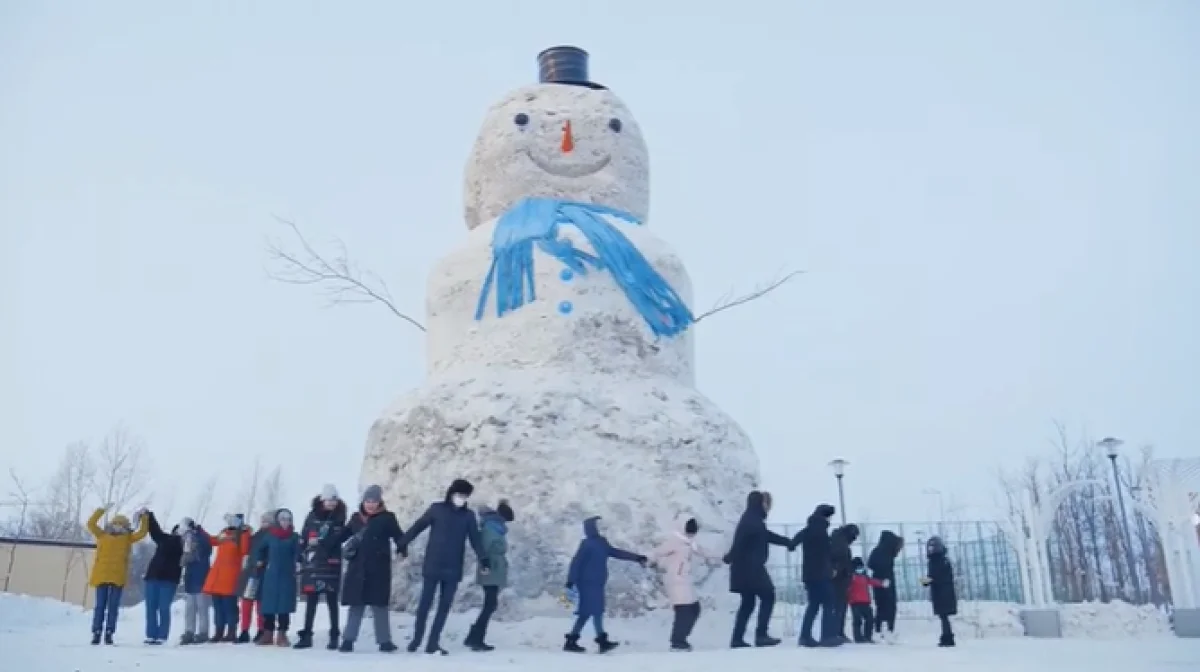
568, 142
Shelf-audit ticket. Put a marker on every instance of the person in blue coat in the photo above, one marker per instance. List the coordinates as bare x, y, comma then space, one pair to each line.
197, 558
587, 578
451, 525
279, 560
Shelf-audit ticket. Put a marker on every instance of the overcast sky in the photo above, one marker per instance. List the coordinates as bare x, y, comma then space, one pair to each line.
996, 204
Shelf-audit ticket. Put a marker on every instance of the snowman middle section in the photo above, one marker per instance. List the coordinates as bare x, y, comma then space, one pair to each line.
575, 321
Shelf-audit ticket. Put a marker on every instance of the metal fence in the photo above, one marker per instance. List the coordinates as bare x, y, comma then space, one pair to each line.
985, 564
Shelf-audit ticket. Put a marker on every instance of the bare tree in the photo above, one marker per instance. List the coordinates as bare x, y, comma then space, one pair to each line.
728, 300
272, 490
246, 499
204, 499
22, 499
344, 282
60, 515
123, 470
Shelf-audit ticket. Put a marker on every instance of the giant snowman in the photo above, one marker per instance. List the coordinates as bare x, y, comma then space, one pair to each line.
561, 370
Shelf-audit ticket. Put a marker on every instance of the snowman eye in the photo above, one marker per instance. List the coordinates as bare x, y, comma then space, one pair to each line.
521, 119
615, 125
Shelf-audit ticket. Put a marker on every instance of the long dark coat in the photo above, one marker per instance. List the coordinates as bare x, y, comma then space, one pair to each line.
450, 528
747, 557
278, 553
167, 562
816, 557
941, 585
322, 536
588, 572
841, 556
368, 577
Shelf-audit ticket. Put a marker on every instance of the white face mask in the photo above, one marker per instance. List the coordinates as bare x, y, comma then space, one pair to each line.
459, 500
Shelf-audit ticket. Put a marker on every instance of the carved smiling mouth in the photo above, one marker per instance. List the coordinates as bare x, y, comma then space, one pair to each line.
572, 169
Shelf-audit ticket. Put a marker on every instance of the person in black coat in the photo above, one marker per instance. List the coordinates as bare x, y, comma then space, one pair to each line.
321, 565
748, 576
816, 570
882, 563
940, 580
451, 525
842, 559
162, 580
368, 579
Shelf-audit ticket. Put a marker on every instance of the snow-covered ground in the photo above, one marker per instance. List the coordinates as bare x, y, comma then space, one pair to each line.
38, 635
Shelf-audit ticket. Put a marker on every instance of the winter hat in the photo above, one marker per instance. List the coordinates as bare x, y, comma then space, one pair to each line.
460, 487
283, 514
505, 511
851, 532
373, 493
186, 523
328, 493
267, 518
825, 510
856, 563
935, 546
119, 522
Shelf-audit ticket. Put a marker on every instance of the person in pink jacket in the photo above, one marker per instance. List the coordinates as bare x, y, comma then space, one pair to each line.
674, 555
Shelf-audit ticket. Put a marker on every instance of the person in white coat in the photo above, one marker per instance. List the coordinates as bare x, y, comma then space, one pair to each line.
674, 555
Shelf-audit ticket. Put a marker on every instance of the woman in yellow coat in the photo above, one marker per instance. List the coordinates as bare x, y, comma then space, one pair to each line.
114, 543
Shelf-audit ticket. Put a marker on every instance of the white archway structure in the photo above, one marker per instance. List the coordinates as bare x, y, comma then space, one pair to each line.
1169, 503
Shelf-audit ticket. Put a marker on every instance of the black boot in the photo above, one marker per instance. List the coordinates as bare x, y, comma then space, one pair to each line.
243, 637
95, 639
472, 637
572, 645
681, 646
946, 640
809, 642
764, 639
347, 646
303, 640
387, 647
218, 635
108, 638
333, 640
258, 636
605, 643
433, 647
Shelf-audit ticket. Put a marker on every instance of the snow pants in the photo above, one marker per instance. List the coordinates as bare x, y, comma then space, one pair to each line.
250, 608
195, 614
380, 617
108, 607
686, 616
862, 621
766, 605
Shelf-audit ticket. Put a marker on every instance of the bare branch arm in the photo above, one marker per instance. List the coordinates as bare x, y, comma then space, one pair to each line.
344, 283
729, 301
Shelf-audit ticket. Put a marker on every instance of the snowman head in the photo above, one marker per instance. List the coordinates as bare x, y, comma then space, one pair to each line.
573, 141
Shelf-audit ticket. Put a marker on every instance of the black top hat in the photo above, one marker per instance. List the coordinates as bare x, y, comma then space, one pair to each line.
565, 65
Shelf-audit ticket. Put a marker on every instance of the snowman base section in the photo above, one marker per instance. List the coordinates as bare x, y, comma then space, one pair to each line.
561, 448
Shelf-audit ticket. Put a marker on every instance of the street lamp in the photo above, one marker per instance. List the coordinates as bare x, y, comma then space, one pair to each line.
1111, 446
839, 472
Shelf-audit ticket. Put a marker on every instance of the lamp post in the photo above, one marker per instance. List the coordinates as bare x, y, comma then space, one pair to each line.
839, 472
1110, 446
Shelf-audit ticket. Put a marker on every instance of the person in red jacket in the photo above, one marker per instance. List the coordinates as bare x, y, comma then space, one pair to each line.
859, 598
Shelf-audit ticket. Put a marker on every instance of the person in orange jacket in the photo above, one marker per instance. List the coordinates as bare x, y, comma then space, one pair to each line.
232, 545
114, 542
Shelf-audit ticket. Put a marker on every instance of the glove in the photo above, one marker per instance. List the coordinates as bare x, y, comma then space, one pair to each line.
485, 565
727, 560
641, 560
887, 582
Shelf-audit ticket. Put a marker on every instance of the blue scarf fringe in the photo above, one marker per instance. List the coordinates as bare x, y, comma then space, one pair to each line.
536, 220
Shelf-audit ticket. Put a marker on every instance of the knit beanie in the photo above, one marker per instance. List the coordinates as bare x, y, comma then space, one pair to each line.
505, 511
373, 493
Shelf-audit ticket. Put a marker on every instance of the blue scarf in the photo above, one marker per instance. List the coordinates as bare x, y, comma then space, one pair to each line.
536, 220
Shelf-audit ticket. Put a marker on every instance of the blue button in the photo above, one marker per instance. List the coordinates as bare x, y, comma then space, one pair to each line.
565, 307
566, 275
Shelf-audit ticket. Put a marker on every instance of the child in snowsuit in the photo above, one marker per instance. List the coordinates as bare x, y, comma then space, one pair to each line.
674, 555
278, 559
859, 599
321, 571
197, 552
249, 583
940, 580
113, 545
232, 546
588, 575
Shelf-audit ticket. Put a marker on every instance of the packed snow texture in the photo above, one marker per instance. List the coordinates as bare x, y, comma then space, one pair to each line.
40, 634
568, 413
